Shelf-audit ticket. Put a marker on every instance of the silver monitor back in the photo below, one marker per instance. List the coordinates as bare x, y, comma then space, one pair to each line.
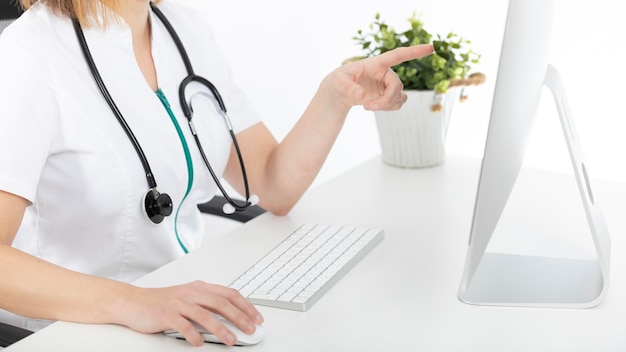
518, 280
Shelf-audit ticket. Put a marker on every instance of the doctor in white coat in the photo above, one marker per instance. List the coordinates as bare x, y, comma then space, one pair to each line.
75, 229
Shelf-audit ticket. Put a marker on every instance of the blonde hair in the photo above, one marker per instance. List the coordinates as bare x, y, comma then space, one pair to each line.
86, 11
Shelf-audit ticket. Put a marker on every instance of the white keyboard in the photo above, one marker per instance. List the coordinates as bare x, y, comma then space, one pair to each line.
297, 272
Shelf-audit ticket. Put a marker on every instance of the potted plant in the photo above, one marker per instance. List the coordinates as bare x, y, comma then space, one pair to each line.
414, 136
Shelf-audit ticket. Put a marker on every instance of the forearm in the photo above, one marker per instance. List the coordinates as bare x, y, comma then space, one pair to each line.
32, 287
294, 164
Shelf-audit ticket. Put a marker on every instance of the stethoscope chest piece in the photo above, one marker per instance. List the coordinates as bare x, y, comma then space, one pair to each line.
157, 206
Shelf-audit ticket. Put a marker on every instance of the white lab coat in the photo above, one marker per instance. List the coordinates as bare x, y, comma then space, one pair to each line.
62, 148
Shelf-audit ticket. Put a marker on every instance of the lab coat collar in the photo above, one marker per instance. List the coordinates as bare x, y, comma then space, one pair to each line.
118, 30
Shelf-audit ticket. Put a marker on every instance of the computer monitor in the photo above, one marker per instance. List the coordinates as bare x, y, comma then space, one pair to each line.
504, 279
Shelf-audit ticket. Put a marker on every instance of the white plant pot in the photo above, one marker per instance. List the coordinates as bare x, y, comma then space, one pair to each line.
414, 136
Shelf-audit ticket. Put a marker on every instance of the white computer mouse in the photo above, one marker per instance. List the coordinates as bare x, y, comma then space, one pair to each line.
243, 339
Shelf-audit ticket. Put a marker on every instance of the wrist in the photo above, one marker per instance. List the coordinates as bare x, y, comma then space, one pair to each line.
333, 102
120, 306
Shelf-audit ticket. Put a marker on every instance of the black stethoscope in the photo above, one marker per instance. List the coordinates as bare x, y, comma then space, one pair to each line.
159, 205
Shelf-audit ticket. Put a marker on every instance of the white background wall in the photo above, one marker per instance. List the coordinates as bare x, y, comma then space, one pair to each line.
280, 50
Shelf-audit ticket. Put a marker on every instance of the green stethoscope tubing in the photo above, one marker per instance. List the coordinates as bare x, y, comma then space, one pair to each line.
183, 141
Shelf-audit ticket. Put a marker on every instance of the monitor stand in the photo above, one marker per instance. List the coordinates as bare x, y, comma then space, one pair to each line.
534, 281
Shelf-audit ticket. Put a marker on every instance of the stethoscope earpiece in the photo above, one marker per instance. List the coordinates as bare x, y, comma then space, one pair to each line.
157, 205
231, 206
228, 208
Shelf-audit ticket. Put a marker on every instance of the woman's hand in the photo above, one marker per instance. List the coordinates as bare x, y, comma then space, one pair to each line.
152, 310
280, 173
371, 82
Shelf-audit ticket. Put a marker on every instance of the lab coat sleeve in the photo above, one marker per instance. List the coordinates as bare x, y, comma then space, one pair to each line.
27, 121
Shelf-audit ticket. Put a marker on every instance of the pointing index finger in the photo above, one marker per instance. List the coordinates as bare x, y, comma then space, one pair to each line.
399, 55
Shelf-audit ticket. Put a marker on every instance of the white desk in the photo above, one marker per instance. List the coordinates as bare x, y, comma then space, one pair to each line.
402, 295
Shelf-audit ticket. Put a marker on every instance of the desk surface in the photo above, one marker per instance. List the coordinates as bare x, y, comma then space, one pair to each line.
402, 295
